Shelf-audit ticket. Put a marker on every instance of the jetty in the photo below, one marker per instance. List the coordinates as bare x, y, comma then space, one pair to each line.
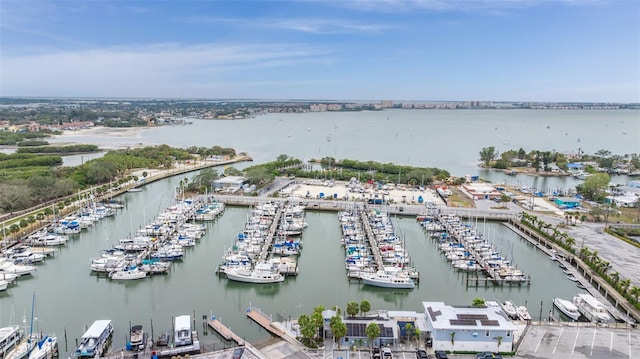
224, 331
264, 321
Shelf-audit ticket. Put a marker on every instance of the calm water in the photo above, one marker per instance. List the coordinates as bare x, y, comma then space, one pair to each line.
69, 297
445, 139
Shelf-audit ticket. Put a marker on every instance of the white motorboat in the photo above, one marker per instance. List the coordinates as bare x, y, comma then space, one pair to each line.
567, 307
523, 313
261, 273
7, 266
509, 308
3, 285
388, 279
45, 348
591, 308
128, 273
9, 337
137, 338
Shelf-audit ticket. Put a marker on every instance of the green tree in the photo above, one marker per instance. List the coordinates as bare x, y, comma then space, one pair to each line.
488, 154
478, 302
338, 328
409, 330
307, 328
594, 186
453, 340
499, 341
504, 199
373, 331
365, 306
352, 308
635, 292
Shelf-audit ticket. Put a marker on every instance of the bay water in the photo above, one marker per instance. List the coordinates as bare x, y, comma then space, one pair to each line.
69, 298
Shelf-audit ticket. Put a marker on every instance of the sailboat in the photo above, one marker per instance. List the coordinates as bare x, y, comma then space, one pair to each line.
24, 348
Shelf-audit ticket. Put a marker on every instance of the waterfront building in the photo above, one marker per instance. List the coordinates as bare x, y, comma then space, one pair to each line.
567, 202
229, 183
465, 328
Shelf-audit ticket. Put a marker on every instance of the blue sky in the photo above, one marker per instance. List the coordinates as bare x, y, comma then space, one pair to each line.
438, 50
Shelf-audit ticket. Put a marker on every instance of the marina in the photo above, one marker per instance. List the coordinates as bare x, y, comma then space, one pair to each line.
323, 258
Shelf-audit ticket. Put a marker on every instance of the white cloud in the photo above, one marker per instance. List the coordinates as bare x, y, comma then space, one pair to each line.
495, 6
309, 25
152, 70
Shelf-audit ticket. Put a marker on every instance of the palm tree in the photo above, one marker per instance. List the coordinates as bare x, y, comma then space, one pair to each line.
584, 253
635, 292
568, 240
499, 340
616, 278
624, 285
453, 336
365, 306
338, 328
478, 302
593, 257
352, 308
373, 331
409, 329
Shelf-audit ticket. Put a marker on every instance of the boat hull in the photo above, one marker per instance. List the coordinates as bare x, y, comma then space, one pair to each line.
564, 306
388, 284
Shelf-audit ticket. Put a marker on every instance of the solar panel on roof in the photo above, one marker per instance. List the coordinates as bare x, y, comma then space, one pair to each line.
473, 316
433, 314
489, 322
462, 321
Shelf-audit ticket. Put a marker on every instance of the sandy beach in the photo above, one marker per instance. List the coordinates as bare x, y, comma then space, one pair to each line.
82, 136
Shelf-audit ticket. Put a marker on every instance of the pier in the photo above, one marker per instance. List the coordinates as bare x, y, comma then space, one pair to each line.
371, 238
224, 331
264, 321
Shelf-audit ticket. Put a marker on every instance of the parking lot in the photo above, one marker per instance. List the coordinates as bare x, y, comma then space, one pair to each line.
579, 342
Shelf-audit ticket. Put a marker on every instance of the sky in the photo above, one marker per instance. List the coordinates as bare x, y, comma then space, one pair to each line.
429, 50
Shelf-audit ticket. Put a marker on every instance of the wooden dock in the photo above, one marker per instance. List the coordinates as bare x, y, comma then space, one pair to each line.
265, 321
224, 332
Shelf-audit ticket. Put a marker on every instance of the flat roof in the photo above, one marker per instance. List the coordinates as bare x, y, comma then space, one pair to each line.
442, 316
97, 328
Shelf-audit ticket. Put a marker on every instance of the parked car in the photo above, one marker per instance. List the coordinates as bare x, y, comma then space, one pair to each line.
441, 354
488, 355
237, 353
386, 353
421, 354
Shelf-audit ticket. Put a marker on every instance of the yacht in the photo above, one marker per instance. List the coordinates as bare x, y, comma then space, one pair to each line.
567, 307
9, 337
591, 308
523, 313
47, 347
95, 340
262, 273
388, 279
509, 308
128, 273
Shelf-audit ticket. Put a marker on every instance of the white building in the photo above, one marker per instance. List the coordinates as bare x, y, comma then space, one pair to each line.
465, 328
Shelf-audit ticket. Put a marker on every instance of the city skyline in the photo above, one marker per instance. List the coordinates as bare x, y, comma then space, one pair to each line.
558, 51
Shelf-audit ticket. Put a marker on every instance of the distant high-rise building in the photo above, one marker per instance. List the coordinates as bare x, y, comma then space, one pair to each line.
386, 103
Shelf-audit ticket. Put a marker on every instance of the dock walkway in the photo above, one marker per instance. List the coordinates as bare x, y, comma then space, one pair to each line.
224, 331
265, 321
371, 238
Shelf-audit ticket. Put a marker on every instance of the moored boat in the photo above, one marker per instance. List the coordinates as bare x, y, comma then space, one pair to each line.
47, 347
523, 313
509, 308
9, 337
137, 338
388, 279
567, 308
261, 273
127, 273
591, 308
95, 340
